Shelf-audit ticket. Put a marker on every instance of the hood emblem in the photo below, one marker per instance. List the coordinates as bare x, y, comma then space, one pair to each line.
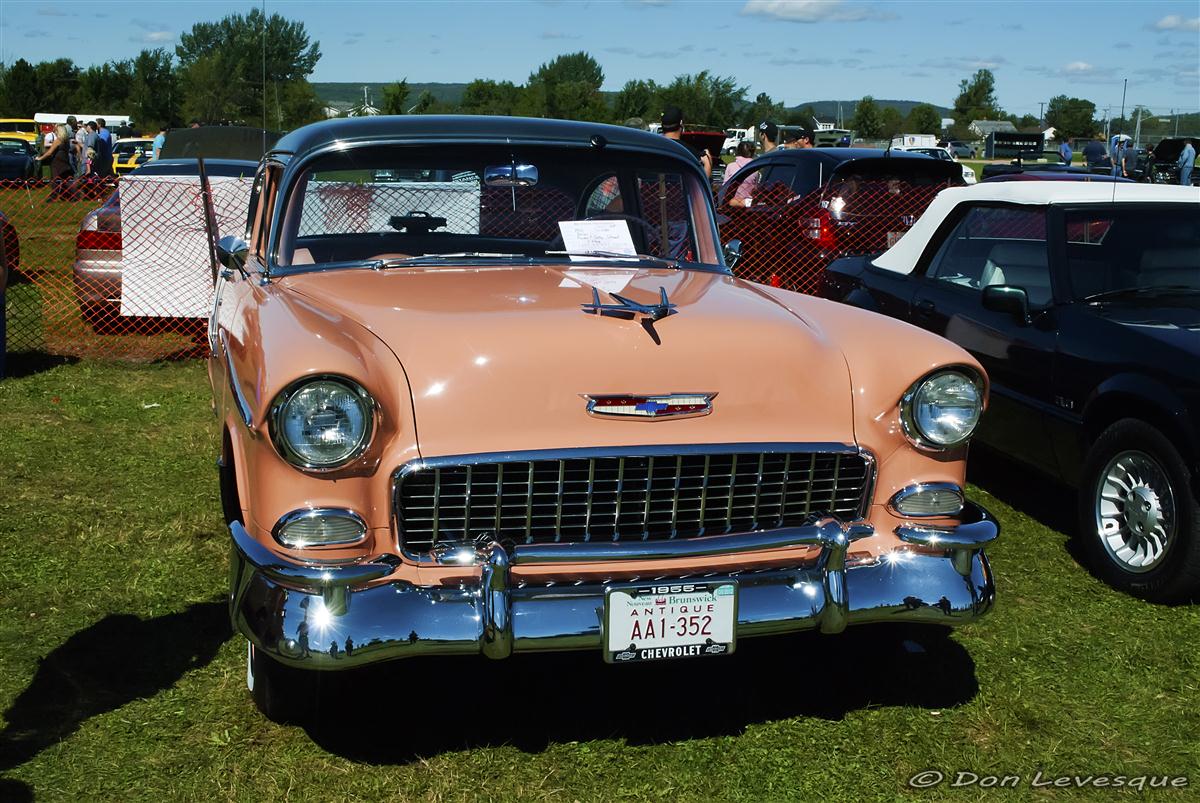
627, 308
666, 405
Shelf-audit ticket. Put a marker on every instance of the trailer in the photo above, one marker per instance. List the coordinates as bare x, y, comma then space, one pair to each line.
915, 141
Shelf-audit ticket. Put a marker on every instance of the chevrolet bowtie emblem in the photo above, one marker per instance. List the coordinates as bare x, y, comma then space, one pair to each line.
627, 308
665, 405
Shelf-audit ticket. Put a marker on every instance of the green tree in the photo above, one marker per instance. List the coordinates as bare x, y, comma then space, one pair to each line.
705, 100
805, 115
976, 99
154, 96
57, 84
105, 89
923, 119
483, 96
395, 98
891, 122
763, 108
1071, 117
258, 56
425, 103
636, 100
19, 95
567, 88
868, 119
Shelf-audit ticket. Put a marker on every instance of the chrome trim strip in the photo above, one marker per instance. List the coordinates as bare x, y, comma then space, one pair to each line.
234, 385
919, 487
825, 533
319, 512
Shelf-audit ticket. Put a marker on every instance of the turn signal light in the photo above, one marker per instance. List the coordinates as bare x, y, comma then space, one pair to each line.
319, 527
934, 499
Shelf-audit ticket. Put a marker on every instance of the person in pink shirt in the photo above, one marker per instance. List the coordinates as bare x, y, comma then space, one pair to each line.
745, 152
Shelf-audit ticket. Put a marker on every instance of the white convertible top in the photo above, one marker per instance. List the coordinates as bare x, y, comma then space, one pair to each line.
903, 256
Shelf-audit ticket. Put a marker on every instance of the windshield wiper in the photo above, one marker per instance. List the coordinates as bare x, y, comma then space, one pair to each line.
670, 263
1133, 292
424, 258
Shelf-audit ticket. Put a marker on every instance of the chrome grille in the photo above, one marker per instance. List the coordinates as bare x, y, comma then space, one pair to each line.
638, 494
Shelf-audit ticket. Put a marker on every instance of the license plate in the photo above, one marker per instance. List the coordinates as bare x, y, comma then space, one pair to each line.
679, 620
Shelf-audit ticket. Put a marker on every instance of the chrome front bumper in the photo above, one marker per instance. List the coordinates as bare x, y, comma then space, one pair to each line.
320, 616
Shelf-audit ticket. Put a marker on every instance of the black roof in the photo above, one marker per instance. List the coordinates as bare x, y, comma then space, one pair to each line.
473, 128
190, 167
837, 155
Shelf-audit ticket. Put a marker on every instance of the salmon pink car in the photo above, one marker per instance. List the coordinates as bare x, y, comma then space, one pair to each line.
487, 386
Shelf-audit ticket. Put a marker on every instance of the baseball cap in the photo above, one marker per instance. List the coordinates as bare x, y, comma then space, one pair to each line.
672, 118
768, 129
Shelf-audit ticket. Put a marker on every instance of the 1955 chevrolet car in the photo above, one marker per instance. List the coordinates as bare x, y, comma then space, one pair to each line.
488, 386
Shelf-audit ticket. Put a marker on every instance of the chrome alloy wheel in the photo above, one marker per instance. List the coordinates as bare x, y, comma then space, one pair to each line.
1135, 511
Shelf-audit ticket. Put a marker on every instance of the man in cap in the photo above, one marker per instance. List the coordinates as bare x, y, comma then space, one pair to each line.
799, 138
768, 133
672, 128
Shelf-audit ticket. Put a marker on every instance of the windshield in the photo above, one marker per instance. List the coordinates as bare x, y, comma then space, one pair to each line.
17, 126
1133, 249
129, 148
397, 202
10, 147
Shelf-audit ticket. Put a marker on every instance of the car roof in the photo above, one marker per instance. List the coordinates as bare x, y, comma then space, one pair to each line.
837, 155
190, 167
903, 256
472, 128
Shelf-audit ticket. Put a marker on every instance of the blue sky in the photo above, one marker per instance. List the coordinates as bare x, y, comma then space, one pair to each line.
795, 50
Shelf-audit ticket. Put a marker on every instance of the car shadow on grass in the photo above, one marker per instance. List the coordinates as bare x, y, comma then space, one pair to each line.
101, 668
533, 701
18, 364
1038, 496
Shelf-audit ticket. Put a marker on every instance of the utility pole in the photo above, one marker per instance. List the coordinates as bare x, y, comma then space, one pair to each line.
1107, 124
1176, 116
1137, 131
1042, 113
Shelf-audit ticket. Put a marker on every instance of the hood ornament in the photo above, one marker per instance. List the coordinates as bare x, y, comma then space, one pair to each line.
627, 308
649, 406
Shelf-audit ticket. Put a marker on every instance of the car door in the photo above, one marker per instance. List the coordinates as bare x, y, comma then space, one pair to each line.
997, 245
756, 209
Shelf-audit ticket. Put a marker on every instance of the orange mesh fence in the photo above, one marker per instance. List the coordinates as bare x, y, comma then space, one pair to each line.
112, 269
788, 239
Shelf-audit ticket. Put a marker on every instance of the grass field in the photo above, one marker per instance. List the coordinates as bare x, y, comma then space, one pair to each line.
120, 679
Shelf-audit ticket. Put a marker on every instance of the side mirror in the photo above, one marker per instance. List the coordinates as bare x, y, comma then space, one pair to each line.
1006, 298
733, 253
232, 252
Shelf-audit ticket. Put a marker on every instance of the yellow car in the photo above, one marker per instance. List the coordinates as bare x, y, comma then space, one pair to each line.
19, 128
131, 153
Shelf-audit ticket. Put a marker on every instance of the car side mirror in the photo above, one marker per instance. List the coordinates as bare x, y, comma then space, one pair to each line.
733, 253
232, 252
1006, 298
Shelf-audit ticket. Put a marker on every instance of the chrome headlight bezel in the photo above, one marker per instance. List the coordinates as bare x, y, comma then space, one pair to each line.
285, 448
908, 418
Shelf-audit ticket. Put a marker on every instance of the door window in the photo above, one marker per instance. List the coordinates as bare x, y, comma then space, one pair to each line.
997, 246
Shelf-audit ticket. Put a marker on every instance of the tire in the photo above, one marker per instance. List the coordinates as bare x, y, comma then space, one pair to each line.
284, 695
1135, 482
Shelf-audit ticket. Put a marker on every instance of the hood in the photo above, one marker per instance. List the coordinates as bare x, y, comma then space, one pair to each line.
1168, 150
499, 358
1172, 322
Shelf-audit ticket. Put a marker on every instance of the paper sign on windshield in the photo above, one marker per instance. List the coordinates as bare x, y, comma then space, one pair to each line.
581, 236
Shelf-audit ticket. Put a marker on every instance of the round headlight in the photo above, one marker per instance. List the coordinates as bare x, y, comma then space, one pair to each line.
322, 423
942, 410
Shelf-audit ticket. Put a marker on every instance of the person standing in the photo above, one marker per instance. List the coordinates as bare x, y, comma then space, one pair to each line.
102, 164
159, 141
768, 132
81, 147
1093, 153
1116, 148
1187, 161
1065, 153
59, 157
1129, 160
672, 128
745, 152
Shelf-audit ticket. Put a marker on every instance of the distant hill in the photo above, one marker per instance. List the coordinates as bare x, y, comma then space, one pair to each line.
827, 109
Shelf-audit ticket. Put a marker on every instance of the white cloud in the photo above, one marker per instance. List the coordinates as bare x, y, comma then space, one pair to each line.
1174, 22
1079, 68
811, 11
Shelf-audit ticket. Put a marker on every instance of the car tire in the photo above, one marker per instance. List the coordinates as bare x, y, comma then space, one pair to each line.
284, 695
1138, 515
